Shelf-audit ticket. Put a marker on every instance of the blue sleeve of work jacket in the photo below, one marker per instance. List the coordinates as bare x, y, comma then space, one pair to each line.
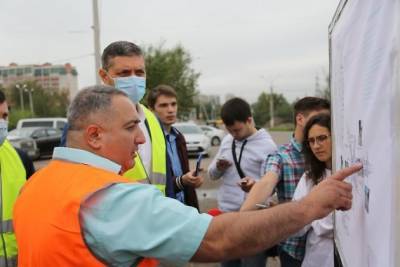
126, 221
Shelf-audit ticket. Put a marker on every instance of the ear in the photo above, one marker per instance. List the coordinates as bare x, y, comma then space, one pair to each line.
105, 77
250, 121
93, 136
300, 119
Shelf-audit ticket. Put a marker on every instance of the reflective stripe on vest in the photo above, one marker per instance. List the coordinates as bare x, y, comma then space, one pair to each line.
13, 177
157, 176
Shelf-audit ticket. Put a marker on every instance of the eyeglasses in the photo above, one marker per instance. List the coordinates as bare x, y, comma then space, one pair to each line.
318, 139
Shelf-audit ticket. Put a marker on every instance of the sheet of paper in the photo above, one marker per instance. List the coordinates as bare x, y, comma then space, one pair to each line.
362, 66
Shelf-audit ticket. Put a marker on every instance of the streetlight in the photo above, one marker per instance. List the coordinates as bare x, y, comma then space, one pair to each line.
96, 39
271, 100
21, 95
30, 91
271, 107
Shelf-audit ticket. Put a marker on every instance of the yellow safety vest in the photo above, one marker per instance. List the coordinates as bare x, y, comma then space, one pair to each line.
158, 173
13, 176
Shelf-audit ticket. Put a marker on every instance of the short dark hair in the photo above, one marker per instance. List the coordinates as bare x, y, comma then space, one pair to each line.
158, 91
313, 167
2, 97
308, 104
119, 49
235, 109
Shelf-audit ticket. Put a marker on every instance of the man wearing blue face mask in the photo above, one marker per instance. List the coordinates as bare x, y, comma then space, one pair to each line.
123, 67
15, 167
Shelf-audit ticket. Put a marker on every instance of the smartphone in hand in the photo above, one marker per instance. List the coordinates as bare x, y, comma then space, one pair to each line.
198, 162
243, 182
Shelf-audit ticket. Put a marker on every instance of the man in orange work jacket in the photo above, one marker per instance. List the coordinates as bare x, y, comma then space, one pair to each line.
81, 212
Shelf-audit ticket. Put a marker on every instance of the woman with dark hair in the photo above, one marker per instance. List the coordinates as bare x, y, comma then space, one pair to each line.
317, 149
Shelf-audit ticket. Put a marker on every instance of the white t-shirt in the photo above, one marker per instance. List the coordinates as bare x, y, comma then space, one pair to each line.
255, 151
319, 244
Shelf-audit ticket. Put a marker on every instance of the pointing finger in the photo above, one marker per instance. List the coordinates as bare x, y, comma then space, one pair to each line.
342, 174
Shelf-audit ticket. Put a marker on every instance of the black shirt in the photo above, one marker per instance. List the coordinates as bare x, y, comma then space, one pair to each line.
28, 164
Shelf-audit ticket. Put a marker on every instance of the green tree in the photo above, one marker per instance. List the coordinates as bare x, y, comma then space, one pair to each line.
261, 109
46, 102
50, 104
172, 67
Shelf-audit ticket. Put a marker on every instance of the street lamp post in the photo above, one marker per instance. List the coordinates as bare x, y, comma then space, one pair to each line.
30, 91
96, 39
271, 107
21, 94
271, 100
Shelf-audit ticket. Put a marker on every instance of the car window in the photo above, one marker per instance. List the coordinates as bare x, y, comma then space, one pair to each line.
52, 132
23, 132
205, 128
39, 133
189, 129
37, 124
60, 124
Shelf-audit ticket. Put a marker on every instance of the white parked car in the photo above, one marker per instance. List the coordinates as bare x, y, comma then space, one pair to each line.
216, 135
196, 141
57, 123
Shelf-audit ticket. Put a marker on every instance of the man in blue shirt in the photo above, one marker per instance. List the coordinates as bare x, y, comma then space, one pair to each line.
162, 100
124, 222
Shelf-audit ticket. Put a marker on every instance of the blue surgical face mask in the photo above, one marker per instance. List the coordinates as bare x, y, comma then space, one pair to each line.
3, 131
133, 86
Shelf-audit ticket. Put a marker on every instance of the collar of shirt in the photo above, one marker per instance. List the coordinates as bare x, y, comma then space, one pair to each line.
171, 136
85, 157
296, 145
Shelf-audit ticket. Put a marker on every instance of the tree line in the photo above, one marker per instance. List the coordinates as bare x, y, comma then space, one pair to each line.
170, 66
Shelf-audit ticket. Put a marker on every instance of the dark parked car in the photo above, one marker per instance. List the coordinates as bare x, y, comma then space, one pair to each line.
46, 138
26, 144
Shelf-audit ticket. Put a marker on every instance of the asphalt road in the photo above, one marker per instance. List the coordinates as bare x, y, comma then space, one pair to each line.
207, 193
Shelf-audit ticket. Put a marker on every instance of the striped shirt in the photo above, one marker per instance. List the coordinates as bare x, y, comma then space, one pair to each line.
288, 164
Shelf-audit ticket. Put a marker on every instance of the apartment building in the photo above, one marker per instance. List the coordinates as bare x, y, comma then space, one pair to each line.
51, 77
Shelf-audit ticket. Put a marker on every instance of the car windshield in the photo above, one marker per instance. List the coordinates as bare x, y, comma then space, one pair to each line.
189, 129
23, 132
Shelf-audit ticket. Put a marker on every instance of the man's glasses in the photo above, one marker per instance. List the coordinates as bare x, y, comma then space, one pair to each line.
318, 139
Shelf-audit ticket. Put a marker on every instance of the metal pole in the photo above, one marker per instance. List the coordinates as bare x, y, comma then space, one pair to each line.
30, 99
96, 32
21, 96
271, 107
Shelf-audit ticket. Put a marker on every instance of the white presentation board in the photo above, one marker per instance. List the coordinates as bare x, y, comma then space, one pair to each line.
364, 69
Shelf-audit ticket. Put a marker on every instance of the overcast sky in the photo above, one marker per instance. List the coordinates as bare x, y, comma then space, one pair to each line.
239, 47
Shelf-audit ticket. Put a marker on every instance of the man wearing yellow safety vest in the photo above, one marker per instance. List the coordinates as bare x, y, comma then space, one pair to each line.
15, 168
123, 67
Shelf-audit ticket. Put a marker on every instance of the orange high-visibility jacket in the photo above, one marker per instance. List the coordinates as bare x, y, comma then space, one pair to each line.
46, 215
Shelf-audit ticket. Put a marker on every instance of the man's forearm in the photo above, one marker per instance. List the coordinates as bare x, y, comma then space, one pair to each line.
258, 194
236, 235
241, 234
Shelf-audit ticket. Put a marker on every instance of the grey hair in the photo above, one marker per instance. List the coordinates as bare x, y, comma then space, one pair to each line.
88, 101
121, 49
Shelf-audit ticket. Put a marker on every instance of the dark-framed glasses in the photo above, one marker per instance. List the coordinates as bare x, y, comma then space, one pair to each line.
318, 139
